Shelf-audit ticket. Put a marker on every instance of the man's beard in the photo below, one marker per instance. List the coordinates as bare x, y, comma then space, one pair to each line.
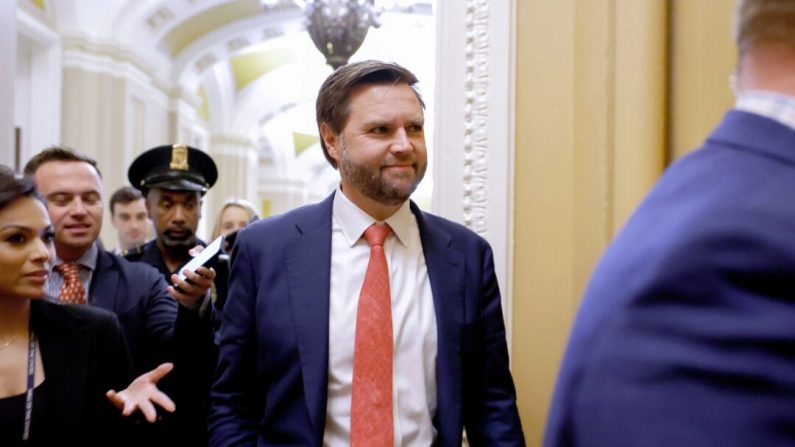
187, 241
370, 183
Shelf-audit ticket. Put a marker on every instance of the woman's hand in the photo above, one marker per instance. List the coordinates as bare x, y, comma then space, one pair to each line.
142, 394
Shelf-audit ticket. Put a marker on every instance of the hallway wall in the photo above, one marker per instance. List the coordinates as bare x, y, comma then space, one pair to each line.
602, 89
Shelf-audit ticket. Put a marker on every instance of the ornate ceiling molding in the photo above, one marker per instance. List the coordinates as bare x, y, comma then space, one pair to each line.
223, 43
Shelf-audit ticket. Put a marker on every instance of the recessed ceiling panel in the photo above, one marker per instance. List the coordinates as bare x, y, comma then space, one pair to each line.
195, 27
248, 67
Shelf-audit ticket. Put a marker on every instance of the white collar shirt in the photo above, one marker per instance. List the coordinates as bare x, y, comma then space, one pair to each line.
773, 105
413, 323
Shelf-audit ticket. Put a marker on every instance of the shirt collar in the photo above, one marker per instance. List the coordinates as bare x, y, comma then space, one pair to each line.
776, 106
87, 259
353, 220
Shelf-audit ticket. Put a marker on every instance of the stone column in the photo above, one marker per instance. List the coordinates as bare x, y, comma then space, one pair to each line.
8, 51
237, 161
113, 107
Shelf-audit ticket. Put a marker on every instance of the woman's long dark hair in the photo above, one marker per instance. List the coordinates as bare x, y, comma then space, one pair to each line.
13, 186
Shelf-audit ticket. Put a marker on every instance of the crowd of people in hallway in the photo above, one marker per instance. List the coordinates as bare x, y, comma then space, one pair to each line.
314, 337
363, 320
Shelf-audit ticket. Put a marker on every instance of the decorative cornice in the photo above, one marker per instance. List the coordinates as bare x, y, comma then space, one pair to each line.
233, 143
476, 116
109, 57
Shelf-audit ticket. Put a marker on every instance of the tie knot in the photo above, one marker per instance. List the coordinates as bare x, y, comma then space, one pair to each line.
376, 234
68, 269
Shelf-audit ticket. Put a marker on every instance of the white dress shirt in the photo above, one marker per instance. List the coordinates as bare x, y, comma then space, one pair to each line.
413, 323
776, 106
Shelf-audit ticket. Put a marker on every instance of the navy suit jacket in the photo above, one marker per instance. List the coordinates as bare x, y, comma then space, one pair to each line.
686, 334
137, 294
272, 380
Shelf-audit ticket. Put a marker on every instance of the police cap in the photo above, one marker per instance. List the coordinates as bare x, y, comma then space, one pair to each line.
175, 168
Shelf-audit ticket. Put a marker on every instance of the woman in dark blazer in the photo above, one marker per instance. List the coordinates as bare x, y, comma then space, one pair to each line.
57, 363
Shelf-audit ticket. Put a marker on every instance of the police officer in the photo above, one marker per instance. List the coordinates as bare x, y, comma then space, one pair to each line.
173, 180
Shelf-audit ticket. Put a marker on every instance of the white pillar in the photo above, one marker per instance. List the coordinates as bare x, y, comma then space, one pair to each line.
474, 138
236, 159
8, 52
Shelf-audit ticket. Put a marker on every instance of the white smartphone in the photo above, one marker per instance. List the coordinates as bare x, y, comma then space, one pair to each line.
206, 258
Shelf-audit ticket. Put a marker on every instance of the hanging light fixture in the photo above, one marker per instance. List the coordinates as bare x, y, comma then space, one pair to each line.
338, 27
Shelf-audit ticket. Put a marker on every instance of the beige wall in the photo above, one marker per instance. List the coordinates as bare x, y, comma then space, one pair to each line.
600, 95
8, 48
702, 58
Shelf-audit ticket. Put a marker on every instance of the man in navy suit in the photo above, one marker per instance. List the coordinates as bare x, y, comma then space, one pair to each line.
290, 334
159, 325
686, 334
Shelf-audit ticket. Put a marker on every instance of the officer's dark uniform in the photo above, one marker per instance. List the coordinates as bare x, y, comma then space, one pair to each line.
180, 168
150, 254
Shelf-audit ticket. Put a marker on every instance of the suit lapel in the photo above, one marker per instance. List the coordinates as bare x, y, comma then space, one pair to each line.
308, 263
308, 267
446, 270
104, 283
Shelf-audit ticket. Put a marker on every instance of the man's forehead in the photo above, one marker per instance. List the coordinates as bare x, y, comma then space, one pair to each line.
74, 177
131, 206
173, 195
371, 98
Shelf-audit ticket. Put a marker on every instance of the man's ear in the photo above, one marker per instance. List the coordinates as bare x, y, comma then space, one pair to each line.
331, 140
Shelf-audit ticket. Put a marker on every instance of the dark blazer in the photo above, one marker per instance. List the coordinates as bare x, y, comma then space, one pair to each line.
686, 334
137, 294
158, 329
272, 380
84, 355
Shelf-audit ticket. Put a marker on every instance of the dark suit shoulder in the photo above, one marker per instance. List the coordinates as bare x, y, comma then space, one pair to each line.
55, 319
51, 312
134, 254
304, 218
130, 268
142, 253
433, 226
454, 228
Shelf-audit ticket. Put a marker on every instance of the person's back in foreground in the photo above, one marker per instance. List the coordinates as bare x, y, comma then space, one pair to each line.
685, 336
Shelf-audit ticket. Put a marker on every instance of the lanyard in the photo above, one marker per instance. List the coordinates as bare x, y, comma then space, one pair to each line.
31, 377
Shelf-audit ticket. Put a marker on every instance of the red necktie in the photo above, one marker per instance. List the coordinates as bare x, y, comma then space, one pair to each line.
371, 394
72, 290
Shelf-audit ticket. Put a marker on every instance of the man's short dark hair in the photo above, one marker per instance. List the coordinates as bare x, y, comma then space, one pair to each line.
124, 195
765, 22
58, 153
333, 99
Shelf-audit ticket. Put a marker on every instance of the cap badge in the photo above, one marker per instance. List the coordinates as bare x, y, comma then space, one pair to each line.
179, 157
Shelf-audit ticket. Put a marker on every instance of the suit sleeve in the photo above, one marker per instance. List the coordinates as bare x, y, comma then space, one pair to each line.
159, 319
692, 346
235, 402
490, 414
112, 369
